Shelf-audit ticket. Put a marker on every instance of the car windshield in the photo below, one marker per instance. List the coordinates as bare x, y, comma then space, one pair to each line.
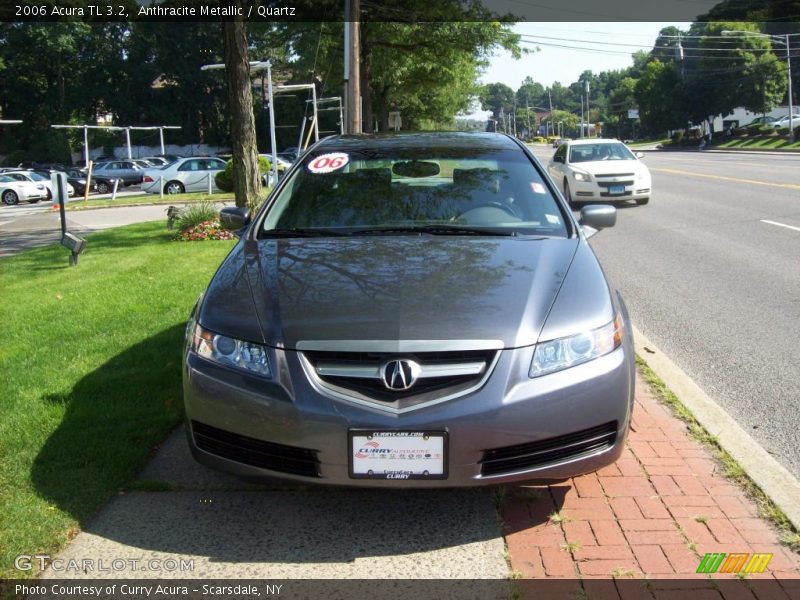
591, 152
413, 190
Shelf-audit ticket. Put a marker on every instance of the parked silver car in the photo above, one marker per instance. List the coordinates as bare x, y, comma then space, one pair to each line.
414, 310
184, 175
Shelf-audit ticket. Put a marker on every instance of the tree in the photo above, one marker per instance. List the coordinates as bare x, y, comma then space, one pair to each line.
660, 96
246, 179
497, 97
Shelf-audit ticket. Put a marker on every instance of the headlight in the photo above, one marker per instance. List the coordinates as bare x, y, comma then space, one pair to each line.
231, 352
582, 176
556, 355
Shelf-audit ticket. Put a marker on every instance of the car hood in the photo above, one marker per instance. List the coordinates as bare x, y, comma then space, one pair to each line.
609, 167
496, 291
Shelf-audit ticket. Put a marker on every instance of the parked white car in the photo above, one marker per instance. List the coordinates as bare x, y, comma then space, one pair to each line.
12, 190
183, 175
33, 177
601, 170
784, 122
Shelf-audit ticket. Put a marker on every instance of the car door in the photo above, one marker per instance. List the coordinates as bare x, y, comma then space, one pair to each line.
193, 176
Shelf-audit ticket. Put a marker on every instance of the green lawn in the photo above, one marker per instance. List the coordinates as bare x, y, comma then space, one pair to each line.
79, 204
761, 142
90, 365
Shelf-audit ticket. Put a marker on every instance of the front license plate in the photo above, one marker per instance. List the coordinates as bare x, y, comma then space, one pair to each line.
398, 455
616, 189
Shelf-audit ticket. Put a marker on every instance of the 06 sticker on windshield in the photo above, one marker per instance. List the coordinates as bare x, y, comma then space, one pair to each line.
327, 163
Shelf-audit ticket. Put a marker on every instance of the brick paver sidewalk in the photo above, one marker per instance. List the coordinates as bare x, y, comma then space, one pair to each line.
653, 515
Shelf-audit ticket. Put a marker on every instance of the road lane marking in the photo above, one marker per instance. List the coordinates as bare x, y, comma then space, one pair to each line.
780, 224
789, 186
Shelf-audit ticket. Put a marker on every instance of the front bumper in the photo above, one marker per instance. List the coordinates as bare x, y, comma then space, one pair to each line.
584, 191
509, 410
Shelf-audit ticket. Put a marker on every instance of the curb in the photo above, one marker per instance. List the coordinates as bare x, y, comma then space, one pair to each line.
82, 208
773, 479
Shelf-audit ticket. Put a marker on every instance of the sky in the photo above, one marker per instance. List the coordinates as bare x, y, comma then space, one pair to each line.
596, 46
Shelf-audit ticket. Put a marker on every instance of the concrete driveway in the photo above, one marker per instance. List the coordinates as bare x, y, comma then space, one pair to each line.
233, 530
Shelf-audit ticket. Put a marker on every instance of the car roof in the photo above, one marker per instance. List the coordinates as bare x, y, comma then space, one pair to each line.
449, 139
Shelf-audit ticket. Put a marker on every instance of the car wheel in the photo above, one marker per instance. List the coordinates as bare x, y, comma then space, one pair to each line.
642, 201
174, 187
103, 187
49, 194
10, 197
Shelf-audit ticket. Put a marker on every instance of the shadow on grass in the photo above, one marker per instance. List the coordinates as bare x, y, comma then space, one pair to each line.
114, 416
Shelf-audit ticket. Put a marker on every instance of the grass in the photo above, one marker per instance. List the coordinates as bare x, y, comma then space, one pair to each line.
143, 199
760, 142
559, 517
730, 468
91, 375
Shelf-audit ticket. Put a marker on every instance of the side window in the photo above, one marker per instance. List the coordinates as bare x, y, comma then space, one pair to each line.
216, 164
189, 165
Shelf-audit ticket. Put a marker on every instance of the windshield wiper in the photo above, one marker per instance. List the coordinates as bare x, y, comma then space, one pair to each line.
302, 232
437, 230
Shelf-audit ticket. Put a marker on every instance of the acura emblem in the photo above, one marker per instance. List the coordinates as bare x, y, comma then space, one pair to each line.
400, 375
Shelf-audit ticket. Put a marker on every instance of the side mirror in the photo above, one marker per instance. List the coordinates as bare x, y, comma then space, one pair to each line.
640, 155
234, 217
596, 217
558, 159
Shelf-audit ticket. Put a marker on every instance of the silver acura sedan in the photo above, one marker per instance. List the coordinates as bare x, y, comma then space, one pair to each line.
411, 310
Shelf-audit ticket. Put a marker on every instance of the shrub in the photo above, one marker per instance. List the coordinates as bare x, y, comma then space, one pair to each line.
206, 230
765, 129
740, 131
224, 179
194, 214
783, 131
677, 136
797, 132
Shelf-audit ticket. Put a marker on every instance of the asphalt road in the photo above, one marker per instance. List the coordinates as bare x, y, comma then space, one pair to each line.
710, 270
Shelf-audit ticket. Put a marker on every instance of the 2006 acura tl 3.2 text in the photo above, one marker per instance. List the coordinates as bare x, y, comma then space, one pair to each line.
412, 310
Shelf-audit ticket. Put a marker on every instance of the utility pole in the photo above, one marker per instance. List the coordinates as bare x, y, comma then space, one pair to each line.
586, 84
581, 136
528, 116
550, 98
353, 65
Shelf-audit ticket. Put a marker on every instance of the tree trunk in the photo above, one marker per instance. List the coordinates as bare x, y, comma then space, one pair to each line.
246, 178
383, 109
367, 117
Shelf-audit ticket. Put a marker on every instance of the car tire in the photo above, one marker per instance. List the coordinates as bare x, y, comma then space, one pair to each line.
568, 195
34, 201
174, 187
49, 194
642, 201
103, 187
10, 198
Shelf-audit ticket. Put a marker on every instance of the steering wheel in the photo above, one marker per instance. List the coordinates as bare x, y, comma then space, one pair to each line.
509, 210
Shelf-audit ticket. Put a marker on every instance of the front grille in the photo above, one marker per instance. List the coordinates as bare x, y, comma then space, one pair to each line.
543, 452
255, 452
614, 175
373, 387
